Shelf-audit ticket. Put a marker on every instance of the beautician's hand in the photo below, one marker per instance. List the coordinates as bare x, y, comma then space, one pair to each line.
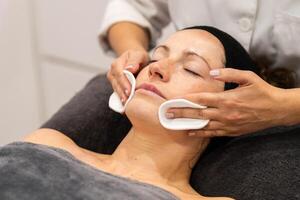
131, 60
253, 106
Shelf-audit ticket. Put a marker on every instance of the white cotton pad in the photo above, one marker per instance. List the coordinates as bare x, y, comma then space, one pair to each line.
180, 123
115, 102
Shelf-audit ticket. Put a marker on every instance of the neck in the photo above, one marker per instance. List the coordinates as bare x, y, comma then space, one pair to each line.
165, 157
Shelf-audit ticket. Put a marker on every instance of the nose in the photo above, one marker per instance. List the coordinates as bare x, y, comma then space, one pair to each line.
159, 70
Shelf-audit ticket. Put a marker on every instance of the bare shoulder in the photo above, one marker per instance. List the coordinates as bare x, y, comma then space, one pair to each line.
54, 138
57, 139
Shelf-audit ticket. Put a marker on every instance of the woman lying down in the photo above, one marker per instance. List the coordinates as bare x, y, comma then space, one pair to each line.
151, 162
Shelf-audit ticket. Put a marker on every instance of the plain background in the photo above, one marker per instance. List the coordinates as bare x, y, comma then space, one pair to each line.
48, 51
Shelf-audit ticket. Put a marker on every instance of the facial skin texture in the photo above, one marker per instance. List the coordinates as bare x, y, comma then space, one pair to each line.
172, 73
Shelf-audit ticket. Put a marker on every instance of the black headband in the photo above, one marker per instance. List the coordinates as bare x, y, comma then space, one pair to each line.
235, 54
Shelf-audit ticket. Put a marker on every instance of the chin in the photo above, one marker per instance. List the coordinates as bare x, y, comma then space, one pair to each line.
142, 111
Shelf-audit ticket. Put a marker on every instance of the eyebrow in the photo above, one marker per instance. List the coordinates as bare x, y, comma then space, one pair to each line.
166, 48
190, 52
187, 52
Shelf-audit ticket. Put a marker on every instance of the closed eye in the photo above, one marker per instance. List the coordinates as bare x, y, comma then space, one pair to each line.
152, 61
192, 72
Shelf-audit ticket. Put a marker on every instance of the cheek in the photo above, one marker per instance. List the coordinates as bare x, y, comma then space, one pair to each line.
193, 85
182, 84
142, 76
212, 85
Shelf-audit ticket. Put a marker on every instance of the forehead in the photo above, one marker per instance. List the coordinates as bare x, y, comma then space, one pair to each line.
194, 38
202, 41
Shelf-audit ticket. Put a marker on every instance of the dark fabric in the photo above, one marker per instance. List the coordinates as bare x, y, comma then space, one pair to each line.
38, 172
235, 54
88, 121
264, 165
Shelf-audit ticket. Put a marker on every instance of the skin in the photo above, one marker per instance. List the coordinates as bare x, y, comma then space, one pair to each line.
254, 106
150, 153
123, 35
130, 42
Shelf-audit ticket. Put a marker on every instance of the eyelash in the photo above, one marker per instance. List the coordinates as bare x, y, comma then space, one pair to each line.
187, 70
152, 61
191, 72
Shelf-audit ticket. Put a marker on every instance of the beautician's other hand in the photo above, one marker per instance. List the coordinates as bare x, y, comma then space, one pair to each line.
254, 105
131, 60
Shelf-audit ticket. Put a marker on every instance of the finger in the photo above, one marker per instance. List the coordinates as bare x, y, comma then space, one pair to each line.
205, 98
214, 125
124, 84
195, 113
116, 73
207, 133
133, 68
241, 77
119, 91
134, 60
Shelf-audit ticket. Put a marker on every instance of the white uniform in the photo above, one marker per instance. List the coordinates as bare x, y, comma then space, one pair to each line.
268, 29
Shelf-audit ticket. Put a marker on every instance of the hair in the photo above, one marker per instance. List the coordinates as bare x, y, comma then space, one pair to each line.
237, 57
278, 77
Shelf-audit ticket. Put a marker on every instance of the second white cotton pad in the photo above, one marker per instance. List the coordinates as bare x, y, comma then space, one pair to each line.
115, 102
180, 123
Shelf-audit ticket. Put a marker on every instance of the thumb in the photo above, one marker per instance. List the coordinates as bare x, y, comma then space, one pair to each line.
241, 77
135, 60
133, 68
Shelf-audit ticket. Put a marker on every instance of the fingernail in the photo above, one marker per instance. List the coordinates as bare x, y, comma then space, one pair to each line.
214, 72
122, 100
129, 67
127, 92
192, 134
169, 115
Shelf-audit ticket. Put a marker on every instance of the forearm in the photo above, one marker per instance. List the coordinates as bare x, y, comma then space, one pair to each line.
125, 35
291, 101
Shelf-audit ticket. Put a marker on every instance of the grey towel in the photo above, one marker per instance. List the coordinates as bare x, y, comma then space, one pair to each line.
38, 172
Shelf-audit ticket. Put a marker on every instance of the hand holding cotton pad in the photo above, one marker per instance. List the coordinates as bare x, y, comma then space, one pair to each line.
173, 124
180, 123
115, 102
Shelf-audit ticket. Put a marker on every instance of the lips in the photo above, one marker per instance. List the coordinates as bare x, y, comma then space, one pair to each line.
151, 88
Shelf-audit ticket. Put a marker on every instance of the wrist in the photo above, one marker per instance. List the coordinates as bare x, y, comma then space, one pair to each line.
129, 45
290, 106
125, 36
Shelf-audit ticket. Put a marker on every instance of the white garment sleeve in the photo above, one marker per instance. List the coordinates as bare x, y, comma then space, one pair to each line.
150, 14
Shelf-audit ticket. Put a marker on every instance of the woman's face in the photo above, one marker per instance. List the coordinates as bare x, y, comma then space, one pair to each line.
179, 66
